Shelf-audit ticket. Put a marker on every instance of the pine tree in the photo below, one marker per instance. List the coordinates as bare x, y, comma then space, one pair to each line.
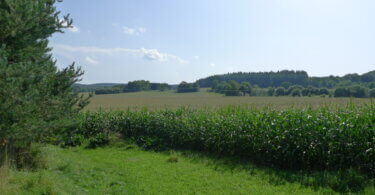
36, 98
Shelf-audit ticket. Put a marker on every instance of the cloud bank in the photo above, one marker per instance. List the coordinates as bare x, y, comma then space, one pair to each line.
146, 54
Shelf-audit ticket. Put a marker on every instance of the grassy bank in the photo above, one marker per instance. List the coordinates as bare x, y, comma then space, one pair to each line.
125, 169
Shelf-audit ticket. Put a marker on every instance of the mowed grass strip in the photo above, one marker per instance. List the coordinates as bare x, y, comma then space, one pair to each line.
129, 170
170, 100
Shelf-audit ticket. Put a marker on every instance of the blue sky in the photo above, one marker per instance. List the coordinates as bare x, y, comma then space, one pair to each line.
184, 40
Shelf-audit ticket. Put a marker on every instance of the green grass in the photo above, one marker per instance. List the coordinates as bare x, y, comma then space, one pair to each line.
171, 100
129, 170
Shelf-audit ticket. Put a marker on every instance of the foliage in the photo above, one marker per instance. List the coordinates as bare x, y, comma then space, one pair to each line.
185, 87
353, 91
245, 88
290, 89
286, 78
341, 92
286, 85
108, 91
296, 92
271, 91
357, 91
36, 99
280, 91
160, 86
372, 93
232, 89
262, 79
132, 86
140, 85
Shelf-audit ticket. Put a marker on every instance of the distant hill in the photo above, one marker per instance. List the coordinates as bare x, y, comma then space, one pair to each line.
276, 79
262, 79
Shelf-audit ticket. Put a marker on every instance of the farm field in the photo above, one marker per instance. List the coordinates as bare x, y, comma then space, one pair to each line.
127, 169
187, 97
171, 100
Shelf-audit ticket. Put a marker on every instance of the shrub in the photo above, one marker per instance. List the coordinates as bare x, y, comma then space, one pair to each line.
372, 93
232, 88
323, 91
357, 91
296, 92
185, 87
341, 92
280, 91
271, 91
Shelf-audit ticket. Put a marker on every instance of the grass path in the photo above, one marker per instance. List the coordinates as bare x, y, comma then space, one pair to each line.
129, 170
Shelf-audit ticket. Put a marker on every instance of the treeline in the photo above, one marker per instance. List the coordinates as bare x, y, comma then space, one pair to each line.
276, 79
134, 86
92, 87
185, 87
233, 88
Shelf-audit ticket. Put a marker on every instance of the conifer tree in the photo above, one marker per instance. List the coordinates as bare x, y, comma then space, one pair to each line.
37, 102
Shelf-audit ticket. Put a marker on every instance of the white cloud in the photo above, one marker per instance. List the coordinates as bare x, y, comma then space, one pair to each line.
133, 31
91, 50
196, 57
74, 29
212, 64
153, 54
90, 60
147, 54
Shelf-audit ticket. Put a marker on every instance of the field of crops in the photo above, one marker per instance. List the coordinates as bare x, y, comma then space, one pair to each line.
311, 139
159, 100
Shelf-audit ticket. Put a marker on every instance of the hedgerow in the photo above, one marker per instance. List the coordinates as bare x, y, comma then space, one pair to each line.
312, 139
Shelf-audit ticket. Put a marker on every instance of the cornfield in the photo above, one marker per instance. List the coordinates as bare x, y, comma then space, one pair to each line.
315, 139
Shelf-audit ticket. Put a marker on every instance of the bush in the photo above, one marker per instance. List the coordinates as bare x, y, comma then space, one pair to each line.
357, 91
232, 88
372, 93
280, 91
353, 91
323, 91
270, 91
342, 92
185, 87
296, 92
108, 91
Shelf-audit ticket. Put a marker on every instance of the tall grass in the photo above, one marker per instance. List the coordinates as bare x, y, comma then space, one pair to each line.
311, 139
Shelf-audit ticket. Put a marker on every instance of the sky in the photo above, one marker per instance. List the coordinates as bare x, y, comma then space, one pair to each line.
169, 41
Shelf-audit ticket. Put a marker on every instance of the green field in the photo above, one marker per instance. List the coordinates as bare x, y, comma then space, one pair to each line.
172, 100
123, 168
127, 169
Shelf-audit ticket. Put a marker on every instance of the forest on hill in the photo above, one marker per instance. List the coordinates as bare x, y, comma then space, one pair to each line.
280, 83
276, 79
